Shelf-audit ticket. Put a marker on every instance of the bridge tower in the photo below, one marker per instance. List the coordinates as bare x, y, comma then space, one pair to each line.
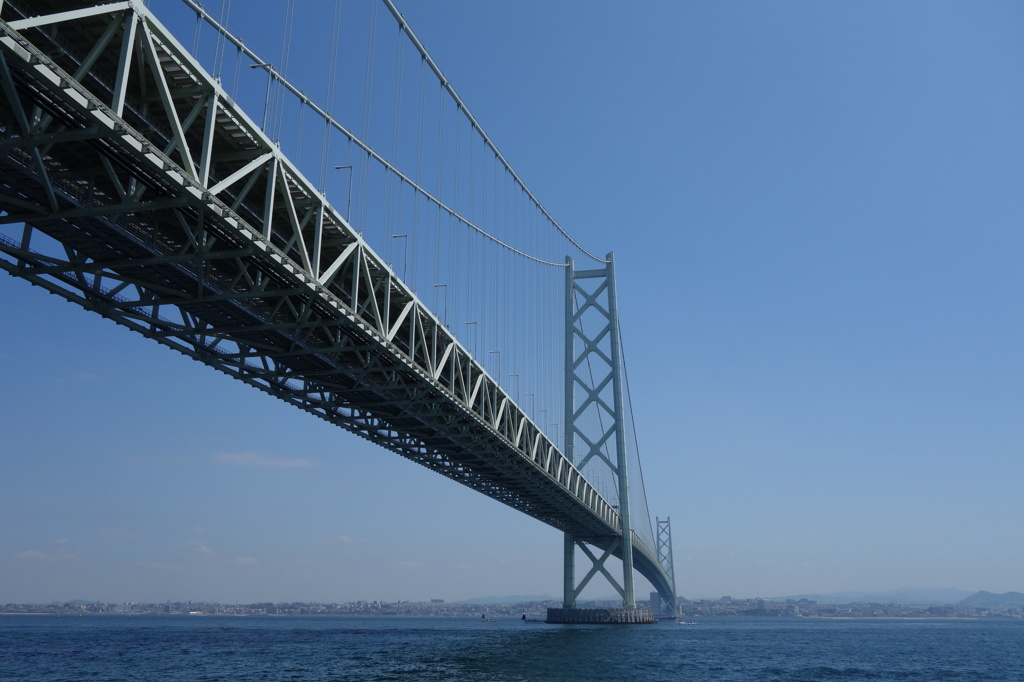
665, 559
595, 424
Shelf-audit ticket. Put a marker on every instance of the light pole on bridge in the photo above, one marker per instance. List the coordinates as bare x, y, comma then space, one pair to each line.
270, 78
498, 353
474, 335
348, 202
405, 254
444, 319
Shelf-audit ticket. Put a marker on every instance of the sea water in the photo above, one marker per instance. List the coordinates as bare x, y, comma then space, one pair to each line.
197, 648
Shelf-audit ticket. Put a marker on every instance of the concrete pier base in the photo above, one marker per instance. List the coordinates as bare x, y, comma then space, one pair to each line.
601, 616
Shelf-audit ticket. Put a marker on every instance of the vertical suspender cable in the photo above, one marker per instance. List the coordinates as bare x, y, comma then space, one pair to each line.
221, 43
286, 48
298, 134
237, 74
332, 71
195, 39
364, 175
392, 206
440, 185
419, 175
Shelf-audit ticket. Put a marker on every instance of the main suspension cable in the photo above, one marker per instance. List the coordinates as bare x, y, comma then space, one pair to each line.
276, 75
476, 126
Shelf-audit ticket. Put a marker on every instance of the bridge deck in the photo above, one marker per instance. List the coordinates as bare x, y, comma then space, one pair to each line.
148, 197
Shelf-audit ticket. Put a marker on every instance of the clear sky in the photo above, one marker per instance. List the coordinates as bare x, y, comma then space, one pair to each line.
816, 211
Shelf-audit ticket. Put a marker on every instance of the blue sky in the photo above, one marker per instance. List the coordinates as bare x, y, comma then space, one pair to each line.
816, 215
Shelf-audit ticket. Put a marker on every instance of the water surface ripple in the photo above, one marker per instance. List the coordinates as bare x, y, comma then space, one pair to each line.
200, 648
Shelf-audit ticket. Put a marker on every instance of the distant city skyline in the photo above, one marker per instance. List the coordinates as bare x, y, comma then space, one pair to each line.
904, 595
920, 606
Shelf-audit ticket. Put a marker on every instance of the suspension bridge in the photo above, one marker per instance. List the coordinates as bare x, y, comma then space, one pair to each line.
333, 227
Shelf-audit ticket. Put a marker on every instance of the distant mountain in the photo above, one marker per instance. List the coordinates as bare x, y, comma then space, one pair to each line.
984, 598
510, 599
910, 596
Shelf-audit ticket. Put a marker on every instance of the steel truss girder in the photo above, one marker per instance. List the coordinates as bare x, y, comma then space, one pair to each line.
179, 219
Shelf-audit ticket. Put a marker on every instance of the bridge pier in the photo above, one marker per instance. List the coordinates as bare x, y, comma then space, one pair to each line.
569, 587
634, 616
